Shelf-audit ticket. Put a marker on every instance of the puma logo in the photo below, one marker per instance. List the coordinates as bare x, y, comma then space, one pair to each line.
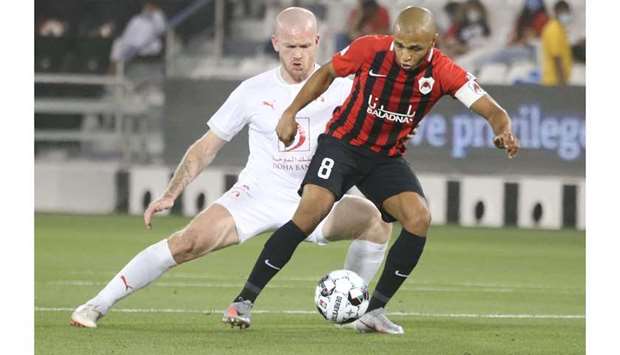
127, 286
270, 104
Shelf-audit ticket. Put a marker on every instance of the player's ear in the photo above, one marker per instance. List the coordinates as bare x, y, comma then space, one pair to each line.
275, 43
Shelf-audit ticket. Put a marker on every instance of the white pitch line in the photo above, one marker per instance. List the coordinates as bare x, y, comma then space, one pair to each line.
89, 283
158, 284
487, 285
304, 312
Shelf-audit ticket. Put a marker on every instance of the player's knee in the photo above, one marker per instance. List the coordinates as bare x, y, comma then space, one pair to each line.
379, 231
184, 245
307, 221
417, 221
386, 232
376, 231
311, 212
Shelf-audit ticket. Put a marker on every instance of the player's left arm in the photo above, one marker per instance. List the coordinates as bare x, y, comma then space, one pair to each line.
463, 86
499, 120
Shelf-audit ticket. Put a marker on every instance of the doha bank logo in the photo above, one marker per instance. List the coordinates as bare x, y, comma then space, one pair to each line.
301, 143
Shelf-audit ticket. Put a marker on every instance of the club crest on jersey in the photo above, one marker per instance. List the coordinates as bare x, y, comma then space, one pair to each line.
301, 143
425, 85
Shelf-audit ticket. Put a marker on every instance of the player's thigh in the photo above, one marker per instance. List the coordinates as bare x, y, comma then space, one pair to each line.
256, 209
212, 229
354, 217
332, 171
389, 177
333, 168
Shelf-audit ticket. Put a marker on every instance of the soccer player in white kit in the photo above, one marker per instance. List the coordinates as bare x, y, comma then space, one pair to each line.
265, 196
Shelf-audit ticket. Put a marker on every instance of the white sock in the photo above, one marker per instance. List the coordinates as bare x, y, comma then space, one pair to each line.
365, 258
143, 269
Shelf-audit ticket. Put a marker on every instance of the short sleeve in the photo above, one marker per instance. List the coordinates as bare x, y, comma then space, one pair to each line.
230, 118
458, 83
451, 76
350, 59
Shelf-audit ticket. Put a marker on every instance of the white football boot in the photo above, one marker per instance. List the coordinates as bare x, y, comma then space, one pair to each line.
238, 314
376, 321
85, 316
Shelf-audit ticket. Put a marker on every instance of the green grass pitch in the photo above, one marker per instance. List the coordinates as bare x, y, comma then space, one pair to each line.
475, 291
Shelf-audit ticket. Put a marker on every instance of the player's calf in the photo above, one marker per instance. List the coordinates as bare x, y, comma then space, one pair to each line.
411, 211
377, 231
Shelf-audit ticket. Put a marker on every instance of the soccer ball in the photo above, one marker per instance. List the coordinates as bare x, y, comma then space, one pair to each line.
341, 296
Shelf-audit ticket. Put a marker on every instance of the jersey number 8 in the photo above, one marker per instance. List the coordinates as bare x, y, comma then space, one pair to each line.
326, 168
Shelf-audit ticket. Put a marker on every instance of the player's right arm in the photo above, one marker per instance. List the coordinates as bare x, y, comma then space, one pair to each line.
317, 84
343, 63
197, 157
225, 123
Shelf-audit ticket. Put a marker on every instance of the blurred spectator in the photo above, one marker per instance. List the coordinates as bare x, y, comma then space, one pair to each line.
522, 45
52, 27
55, 18
556, 56
450, 16
369, 17
105, 30
141, 36
530, 22
469, 28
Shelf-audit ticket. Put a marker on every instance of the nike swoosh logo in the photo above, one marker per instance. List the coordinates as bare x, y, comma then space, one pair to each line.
397, 273
271, 266
375, 74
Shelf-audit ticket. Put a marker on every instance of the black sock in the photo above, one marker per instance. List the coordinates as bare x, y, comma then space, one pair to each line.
277, 251
401, 260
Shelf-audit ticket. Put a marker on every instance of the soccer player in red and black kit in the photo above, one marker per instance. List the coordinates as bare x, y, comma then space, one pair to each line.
398, 79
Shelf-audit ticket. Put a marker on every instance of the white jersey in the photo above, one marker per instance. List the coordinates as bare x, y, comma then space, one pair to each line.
259, 102
265, 196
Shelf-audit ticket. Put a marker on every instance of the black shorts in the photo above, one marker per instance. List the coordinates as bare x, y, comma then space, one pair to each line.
338, 166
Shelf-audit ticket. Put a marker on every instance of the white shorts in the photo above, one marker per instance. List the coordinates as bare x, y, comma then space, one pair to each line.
257, 210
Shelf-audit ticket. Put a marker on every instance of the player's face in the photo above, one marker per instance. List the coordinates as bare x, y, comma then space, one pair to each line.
411, 49
297, 52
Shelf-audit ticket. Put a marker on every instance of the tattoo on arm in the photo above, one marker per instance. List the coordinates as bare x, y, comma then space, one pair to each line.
185, 173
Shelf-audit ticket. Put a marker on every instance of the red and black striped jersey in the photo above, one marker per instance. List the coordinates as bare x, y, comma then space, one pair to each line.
386, 102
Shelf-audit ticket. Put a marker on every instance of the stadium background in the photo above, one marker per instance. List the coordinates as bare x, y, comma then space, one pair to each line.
108, 137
